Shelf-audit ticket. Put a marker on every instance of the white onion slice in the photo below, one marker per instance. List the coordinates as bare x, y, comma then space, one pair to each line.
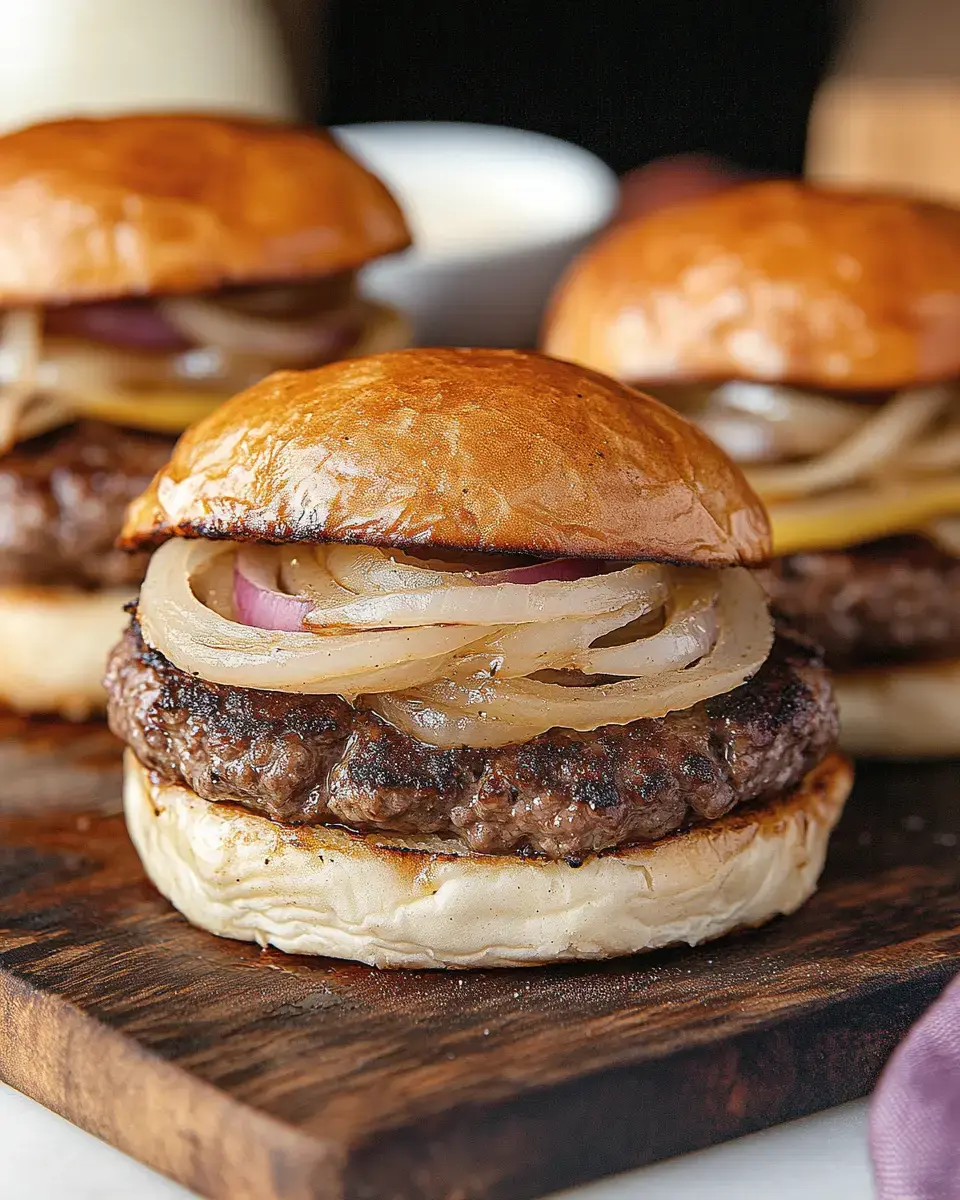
491, 712
288, 340
550, 645
303, 572
364, 569
689, 633
877, 442
20, 350
463, 603
202, 642
766, 422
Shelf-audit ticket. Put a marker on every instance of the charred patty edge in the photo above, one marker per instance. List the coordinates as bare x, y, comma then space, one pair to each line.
299, 759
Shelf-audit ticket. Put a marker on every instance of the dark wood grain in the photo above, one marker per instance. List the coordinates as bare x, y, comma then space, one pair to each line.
249, 1074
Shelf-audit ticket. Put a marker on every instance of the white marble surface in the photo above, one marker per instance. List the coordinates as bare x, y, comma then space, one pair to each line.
820, 1158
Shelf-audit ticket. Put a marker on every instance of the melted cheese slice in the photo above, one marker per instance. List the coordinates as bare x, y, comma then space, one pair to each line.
832, 521
158, 412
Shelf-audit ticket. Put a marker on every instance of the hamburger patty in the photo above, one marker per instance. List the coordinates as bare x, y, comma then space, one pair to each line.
62, 498
320, 760
896, 599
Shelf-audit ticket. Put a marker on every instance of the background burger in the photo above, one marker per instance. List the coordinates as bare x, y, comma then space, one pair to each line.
451, 658
816, 335
149, 267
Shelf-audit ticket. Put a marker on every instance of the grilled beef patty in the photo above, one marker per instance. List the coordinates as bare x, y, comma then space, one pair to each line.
62, 498
891, 600
321, 760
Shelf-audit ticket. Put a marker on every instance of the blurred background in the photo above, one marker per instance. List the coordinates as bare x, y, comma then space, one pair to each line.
629, 82
650, 103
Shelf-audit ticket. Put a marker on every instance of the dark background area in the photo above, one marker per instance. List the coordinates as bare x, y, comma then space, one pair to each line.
630, 82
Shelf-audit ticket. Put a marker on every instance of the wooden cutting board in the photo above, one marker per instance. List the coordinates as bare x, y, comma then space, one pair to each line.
250, 1075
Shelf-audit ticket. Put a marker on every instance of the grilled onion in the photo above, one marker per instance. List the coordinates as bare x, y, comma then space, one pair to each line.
866, 451
456, 599
205, 643
493, 712
162, 365
688, 634
449, 675
765, 422
285, 341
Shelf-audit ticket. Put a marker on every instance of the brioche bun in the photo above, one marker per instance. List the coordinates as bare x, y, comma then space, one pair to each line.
481, 450
53, 646
910, 710
775, 281
97, 209
379, 900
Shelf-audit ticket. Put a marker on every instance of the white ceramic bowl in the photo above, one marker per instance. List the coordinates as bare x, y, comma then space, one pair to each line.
496, 215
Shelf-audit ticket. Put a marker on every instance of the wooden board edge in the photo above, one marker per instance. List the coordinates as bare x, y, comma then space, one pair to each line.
110, 1086
627, 1117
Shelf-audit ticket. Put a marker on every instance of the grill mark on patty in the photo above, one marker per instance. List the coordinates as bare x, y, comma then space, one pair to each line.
565, 794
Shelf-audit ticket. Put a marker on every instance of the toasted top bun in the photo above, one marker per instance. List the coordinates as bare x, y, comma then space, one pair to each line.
93, 209
773, 281
490, 450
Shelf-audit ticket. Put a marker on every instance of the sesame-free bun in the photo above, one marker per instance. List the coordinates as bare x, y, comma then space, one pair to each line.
482, 450
53, 646
94, 209
770, 281
380, 900
906, 710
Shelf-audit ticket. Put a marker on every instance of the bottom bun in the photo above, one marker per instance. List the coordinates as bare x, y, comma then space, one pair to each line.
907, 711
53, 646
394, 903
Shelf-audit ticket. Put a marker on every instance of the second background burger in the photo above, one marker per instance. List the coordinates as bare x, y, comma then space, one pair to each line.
149, 267
815, 334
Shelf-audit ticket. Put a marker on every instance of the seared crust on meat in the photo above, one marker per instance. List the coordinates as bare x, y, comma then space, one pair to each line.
895, 600
62, 498
320, 760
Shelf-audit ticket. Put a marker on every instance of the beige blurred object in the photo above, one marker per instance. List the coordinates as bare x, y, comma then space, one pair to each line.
97, 57
888, 113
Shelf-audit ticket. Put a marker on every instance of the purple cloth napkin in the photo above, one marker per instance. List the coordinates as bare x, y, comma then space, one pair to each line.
915, 1113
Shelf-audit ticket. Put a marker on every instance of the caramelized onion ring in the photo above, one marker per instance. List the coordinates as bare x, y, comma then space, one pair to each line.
877, 442
689, 633
460, 684
456, 599
203, 642
492, 712
288, 340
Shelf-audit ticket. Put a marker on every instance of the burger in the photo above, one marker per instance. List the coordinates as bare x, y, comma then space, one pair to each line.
150, 266
815, 334
454, 658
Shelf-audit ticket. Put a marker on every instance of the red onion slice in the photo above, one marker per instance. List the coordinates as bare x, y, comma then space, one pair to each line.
257, 602
132, 324
560, 570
